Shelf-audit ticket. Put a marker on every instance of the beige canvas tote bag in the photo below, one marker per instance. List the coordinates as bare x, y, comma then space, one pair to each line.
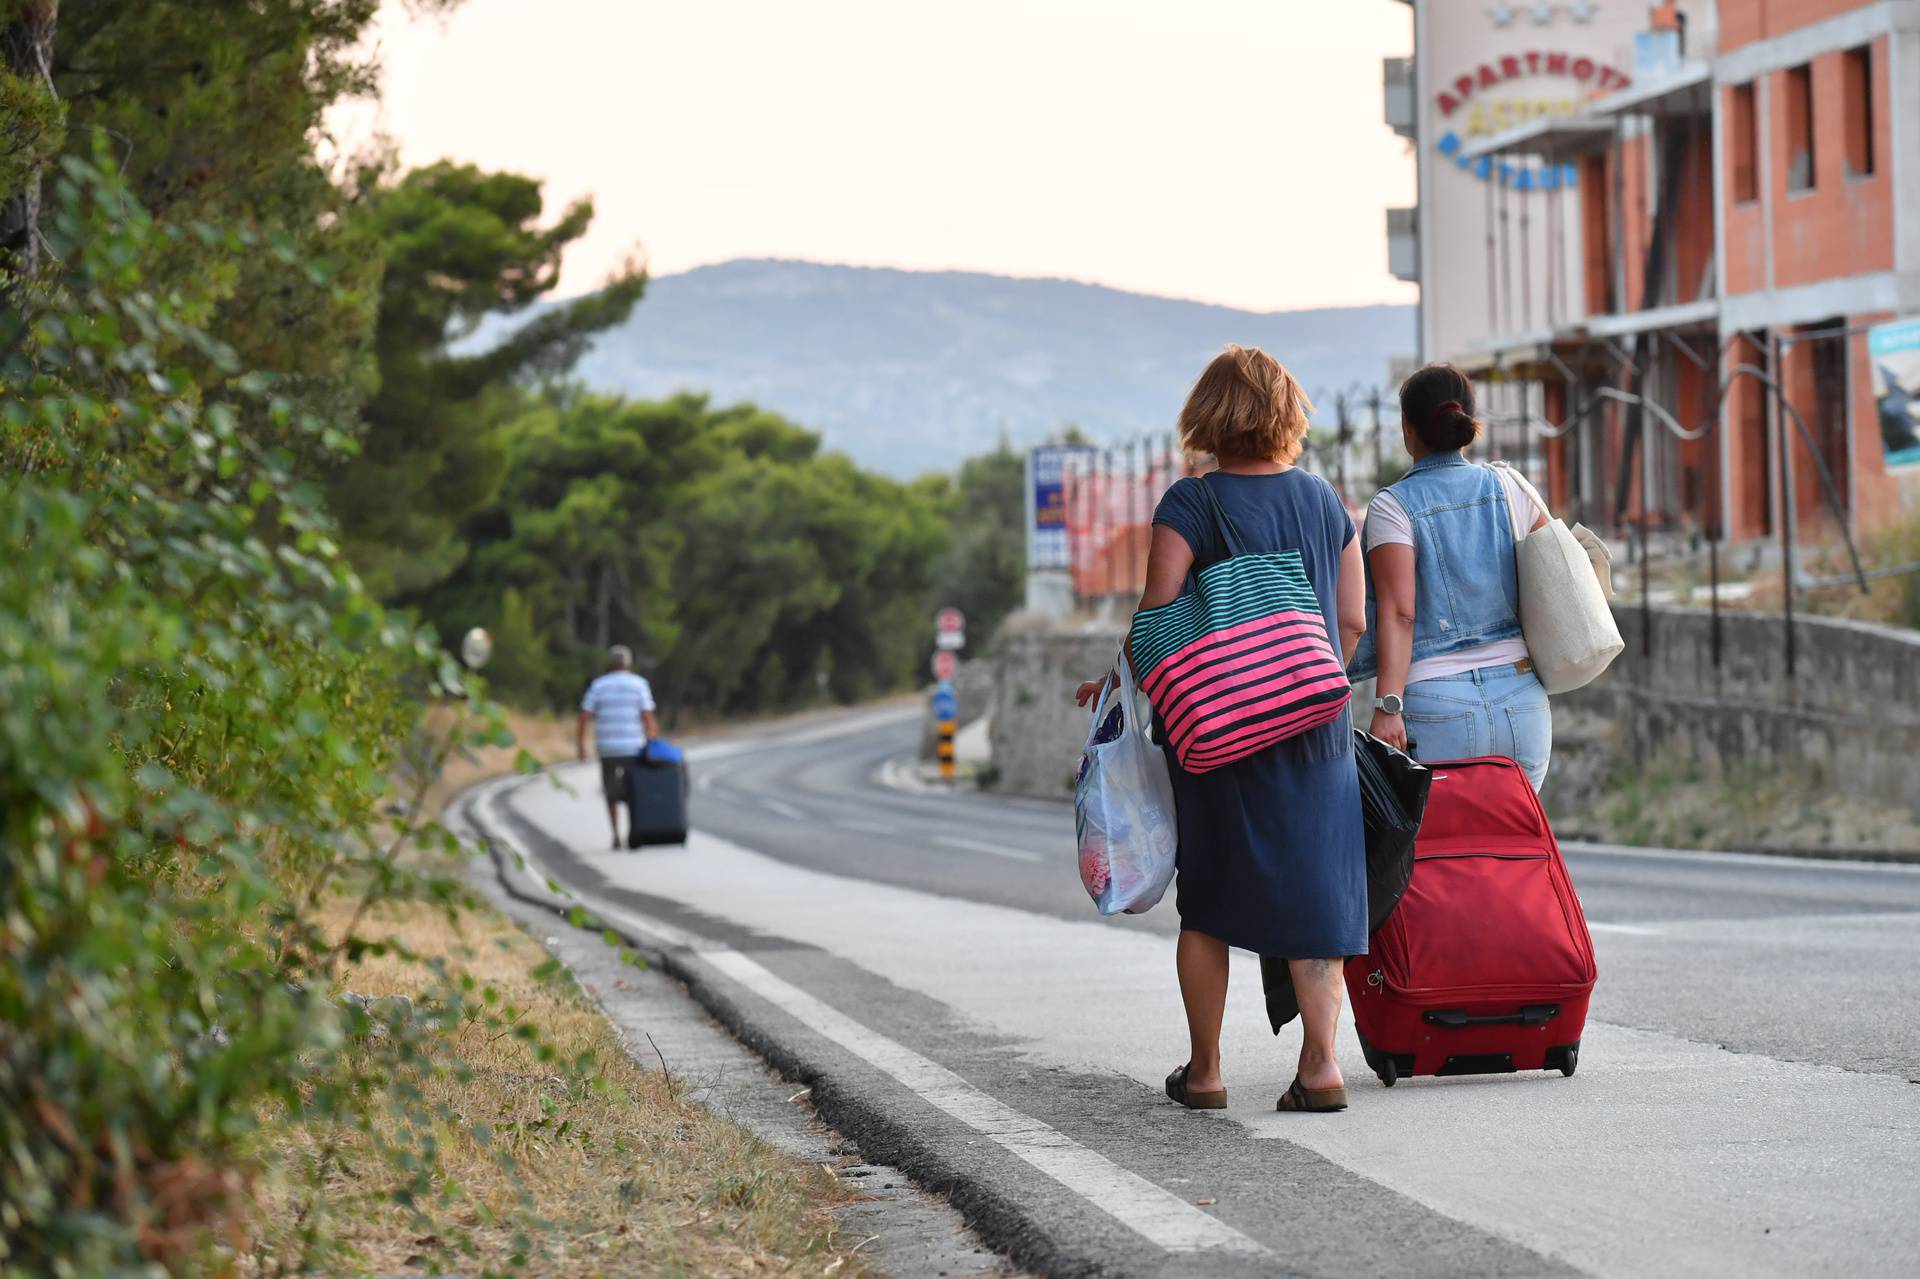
1570, 632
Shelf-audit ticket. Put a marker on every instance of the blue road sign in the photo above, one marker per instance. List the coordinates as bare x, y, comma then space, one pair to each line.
945, 704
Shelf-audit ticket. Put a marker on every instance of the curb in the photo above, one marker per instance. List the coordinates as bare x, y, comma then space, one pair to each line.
1004, 1223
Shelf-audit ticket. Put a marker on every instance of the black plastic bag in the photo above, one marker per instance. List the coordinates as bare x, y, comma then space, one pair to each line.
1393, 799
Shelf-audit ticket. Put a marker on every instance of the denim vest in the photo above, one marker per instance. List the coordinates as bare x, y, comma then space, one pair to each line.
1465, 592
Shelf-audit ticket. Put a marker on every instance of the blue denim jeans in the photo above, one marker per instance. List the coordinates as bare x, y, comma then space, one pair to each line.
1495, 710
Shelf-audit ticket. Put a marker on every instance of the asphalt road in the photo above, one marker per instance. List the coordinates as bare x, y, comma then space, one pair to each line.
1746, 1099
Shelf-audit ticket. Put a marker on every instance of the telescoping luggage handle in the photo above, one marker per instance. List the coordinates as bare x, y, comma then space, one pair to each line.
1454, 1019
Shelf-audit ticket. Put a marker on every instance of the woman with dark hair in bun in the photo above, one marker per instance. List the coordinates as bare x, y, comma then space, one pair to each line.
1443, 623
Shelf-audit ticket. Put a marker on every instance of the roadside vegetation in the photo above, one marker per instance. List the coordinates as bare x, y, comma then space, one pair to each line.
753, 571
619, 1174
1891, 601
1670, 802
241, 463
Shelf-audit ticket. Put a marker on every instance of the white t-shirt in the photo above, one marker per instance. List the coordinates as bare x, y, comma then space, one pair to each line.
616, 700
1387, 525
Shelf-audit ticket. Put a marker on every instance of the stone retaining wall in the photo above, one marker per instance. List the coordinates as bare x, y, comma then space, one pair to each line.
1036, 731
1848, 719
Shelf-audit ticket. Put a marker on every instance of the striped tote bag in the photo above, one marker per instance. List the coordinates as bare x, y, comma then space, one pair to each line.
1242, 659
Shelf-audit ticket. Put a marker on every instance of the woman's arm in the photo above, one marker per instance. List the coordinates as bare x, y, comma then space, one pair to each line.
1392, 565
1169, 559
1350, 603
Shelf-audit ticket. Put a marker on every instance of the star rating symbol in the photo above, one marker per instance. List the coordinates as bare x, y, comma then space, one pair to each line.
1582, 10
1543, 13
1502, 14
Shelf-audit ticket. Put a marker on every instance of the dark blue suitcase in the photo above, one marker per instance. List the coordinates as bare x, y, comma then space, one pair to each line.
657, 797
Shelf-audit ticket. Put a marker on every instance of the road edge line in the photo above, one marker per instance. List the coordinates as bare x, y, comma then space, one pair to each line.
1001, 1220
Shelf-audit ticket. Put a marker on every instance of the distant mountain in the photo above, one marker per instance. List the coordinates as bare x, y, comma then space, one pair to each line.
910, 371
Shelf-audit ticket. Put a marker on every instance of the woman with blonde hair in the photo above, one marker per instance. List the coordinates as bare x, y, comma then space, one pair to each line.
1271, 856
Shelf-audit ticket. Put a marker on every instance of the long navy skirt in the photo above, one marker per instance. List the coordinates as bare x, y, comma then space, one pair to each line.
1272, 849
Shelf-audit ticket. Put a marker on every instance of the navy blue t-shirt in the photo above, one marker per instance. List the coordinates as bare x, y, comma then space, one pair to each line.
1292, 510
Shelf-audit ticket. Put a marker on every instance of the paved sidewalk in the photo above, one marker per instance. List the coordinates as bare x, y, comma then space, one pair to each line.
1662, 1156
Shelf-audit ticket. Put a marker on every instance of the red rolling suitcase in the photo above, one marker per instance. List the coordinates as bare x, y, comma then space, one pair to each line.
1486, 965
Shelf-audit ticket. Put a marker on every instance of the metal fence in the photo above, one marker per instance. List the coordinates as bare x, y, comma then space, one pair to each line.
1656, 479
1110, 496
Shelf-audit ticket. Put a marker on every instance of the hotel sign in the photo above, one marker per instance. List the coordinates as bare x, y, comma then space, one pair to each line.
1475, 104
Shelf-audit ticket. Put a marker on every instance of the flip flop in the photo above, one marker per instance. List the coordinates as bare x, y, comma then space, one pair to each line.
1315, 1100
1177, 1089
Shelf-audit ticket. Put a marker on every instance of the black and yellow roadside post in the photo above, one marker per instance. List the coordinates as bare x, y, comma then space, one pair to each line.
949, 637
945, 749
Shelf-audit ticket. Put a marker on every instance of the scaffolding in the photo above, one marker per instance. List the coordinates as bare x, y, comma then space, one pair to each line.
1635, 403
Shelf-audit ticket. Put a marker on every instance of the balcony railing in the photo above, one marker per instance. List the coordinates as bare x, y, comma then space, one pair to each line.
1396, 78
1403, 243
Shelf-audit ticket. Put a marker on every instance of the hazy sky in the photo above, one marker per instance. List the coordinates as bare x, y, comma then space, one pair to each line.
1227, 150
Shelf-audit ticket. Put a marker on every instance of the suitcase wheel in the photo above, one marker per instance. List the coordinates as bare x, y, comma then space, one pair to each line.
1384, 1067
1566, 1059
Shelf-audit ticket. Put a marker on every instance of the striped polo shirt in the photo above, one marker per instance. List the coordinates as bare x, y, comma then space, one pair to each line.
616, 700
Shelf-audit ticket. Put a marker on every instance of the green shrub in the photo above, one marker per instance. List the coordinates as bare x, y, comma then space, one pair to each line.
199, 711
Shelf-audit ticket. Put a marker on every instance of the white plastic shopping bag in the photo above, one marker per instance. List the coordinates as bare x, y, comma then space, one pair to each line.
1123, 806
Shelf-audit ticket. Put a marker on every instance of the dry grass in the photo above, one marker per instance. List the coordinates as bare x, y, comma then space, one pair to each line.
1666, 802
623, 1176
548, 738
618, 1176
1892, 601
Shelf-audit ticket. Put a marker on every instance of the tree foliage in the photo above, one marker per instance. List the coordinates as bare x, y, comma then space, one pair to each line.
201, 709
228, 374
460, 245
983, 571
211, 108
752, 570
32, 124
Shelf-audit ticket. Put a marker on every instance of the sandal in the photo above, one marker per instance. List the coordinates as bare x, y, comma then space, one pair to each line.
1177, 1089
1315, 1100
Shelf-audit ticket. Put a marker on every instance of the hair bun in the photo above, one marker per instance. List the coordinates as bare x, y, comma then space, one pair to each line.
1451, 426
1437, 403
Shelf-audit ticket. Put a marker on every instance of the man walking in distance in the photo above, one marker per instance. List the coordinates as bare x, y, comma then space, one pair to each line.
619, 704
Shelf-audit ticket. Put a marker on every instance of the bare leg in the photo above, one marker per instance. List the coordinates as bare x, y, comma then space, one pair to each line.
1317, 985
613, 820
1202, 961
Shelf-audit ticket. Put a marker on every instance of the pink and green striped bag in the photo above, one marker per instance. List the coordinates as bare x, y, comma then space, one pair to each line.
1241, 660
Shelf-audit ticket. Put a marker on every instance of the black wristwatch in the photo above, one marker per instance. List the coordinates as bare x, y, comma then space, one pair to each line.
1391, 703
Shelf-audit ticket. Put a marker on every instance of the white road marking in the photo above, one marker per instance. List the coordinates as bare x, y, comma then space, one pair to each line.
1632, 930
980, 846
1157, 1215
785, 810
872, 828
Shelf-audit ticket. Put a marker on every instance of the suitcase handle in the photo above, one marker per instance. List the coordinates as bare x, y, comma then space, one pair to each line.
1454, 1019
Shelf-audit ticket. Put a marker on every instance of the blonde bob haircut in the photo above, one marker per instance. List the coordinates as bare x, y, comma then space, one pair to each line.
1245, 405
